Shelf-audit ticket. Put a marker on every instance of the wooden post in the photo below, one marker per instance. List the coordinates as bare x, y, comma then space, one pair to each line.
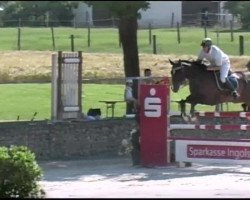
172, 20
19, 22
113, 21
19, 39
53, 38
178, 33
54, 86
149, 32
72, 43
119, 37
80, 82
47, 19
241, 41
217, 35
88, 34
231, 30
154, 44
59, 86
205, 30
75, 22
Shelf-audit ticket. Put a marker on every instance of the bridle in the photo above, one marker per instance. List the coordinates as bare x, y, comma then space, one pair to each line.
183, 64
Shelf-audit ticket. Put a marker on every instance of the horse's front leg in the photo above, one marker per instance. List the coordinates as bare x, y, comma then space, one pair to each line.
193, 118
192, 110
190, 99
182, 104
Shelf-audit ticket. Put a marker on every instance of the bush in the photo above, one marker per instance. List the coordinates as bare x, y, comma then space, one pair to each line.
19, 173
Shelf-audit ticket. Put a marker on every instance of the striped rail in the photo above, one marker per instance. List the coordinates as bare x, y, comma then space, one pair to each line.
210, 127
223, 114
207, 114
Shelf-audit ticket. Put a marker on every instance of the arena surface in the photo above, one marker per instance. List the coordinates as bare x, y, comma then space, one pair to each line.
117, 178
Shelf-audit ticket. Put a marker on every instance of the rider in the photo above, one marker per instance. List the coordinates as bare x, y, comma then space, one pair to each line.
218, 61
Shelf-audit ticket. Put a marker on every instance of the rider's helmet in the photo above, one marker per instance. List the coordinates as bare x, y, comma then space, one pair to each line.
206, 42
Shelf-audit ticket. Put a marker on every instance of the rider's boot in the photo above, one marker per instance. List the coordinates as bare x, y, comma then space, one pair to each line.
230, 86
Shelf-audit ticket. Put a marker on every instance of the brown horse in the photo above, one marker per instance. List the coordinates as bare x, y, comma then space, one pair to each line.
204, 87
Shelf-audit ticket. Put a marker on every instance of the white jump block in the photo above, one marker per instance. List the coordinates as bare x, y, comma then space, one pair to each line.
228, 152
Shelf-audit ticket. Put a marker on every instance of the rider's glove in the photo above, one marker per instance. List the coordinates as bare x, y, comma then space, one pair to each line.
198, 61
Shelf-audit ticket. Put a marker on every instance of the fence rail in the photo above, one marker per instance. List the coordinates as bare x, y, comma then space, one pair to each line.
197, 19
156, 41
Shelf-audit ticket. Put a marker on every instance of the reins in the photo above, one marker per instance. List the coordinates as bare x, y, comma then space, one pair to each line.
184, 64
217, 81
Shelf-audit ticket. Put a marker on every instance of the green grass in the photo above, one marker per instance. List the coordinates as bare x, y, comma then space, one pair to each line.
106, 40
24, 100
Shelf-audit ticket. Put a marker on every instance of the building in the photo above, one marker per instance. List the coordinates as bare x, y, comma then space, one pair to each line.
160, 14
83, 15
193, 12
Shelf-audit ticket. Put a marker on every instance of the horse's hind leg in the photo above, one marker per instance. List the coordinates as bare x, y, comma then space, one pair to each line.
245, 107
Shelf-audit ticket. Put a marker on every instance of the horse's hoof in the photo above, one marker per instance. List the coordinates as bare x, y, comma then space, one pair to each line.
193, 119
185, 118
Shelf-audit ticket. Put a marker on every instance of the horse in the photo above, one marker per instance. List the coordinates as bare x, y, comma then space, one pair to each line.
205, 86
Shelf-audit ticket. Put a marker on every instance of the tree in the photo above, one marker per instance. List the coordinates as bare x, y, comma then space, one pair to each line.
61, 11
32, 12
3, 4
127, 13
240, 8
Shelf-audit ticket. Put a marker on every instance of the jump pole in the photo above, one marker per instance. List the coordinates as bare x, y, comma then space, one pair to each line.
155, 134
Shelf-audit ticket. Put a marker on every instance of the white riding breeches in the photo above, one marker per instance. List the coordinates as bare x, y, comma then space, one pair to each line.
224, 70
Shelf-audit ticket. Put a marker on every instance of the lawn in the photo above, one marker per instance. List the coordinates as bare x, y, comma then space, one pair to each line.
23, 100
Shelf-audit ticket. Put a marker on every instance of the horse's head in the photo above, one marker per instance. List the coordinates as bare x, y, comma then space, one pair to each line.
178, 74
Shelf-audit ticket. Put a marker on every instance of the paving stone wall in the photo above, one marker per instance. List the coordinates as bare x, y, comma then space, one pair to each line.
70, 140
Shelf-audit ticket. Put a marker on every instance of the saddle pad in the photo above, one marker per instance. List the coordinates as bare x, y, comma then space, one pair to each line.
234, 75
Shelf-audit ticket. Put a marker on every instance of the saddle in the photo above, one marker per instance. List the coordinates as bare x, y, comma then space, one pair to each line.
232, 77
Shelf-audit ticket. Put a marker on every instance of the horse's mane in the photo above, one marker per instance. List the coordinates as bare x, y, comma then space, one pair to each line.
195, 64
